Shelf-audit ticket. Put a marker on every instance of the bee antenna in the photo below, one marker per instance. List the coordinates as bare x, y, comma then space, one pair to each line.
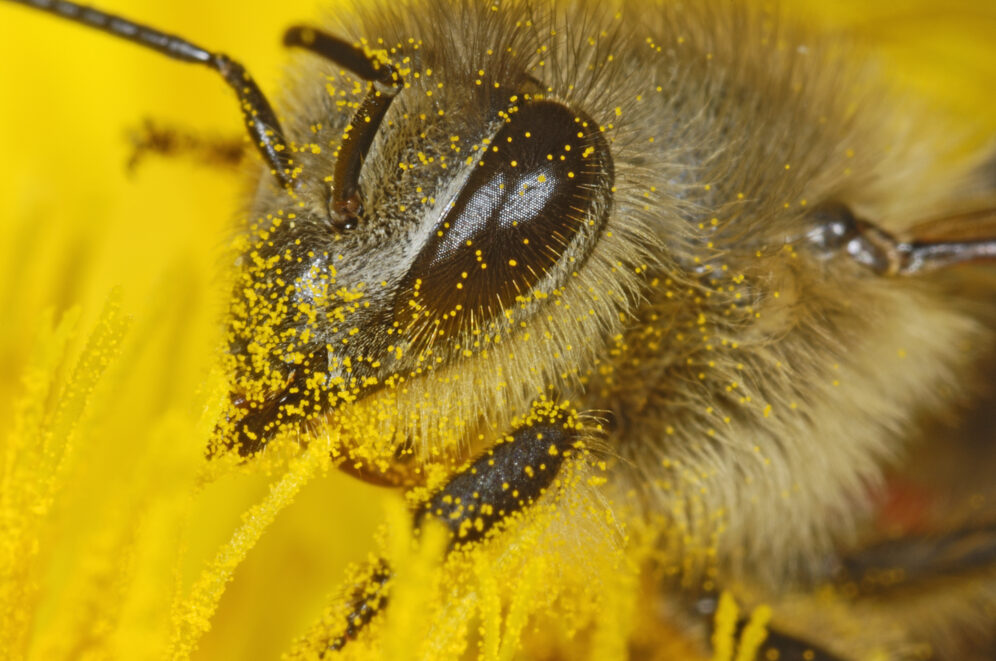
345, 205
257, 113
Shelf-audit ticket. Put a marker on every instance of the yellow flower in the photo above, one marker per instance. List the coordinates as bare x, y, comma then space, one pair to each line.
118, 538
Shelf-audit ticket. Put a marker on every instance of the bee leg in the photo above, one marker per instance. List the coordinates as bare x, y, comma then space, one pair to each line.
365, 602
929, 586
782, 646
776, 645
501, 482
257, 113
498, 484
152, 138
786, 647
908, 561
941, 588
346, 206
838, 230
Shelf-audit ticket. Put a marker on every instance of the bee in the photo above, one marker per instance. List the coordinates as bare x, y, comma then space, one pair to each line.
686, 287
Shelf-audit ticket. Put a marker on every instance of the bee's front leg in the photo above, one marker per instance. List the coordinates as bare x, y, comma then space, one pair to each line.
501, 482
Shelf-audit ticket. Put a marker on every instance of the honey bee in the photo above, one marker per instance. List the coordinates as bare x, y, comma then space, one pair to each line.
688, 285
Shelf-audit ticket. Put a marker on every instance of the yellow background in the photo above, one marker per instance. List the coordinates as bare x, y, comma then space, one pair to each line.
73, 225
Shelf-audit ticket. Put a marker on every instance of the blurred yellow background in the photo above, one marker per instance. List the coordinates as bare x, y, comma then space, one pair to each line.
74, 225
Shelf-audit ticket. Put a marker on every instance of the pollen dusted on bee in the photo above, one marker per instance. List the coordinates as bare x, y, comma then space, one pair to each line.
559, 273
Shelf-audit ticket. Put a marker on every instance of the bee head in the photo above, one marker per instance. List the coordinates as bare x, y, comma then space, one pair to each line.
426, 227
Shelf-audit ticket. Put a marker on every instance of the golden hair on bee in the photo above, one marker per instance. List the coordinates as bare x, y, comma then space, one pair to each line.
655, 308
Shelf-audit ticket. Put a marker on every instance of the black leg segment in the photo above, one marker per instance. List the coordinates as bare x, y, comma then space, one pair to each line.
345, 203
837, 230
366, 601
260, 120
503, 481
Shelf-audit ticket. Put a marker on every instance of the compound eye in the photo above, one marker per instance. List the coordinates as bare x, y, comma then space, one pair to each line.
539, 194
